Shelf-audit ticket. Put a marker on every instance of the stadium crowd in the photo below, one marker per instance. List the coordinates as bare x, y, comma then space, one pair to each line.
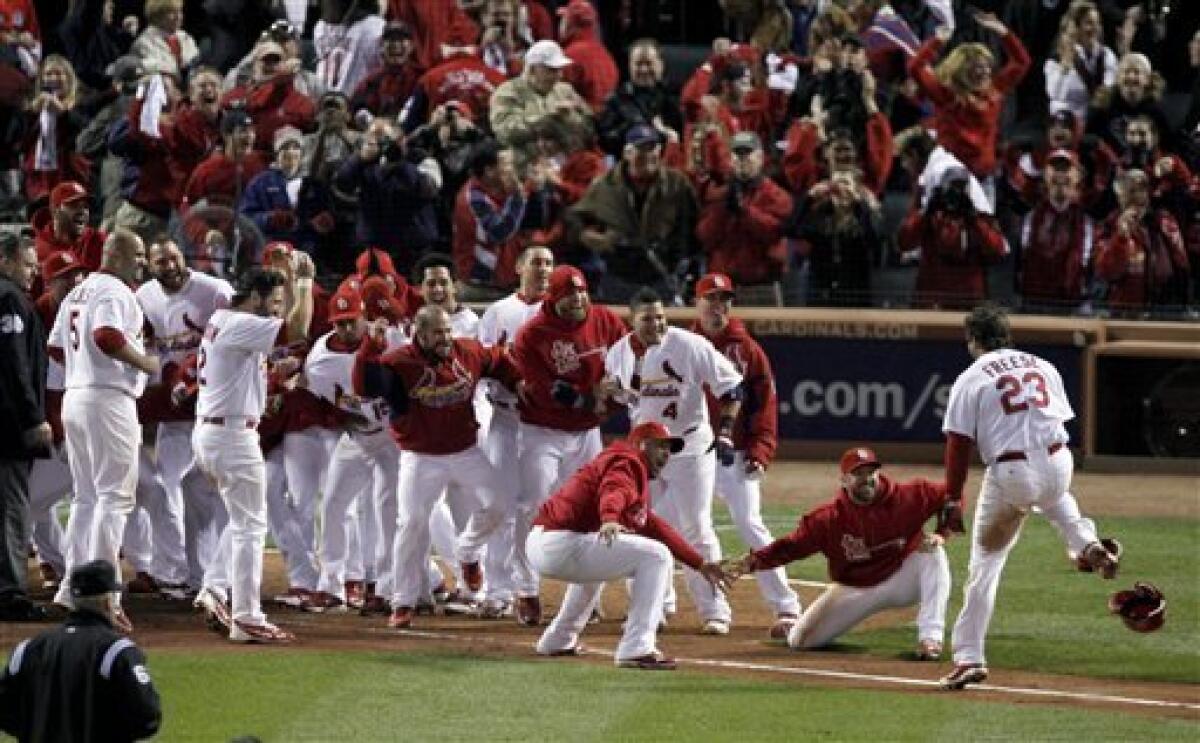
841, 141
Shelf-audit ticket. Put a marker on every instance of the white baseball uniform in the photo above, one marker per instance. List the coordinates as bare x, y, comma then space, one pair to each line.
500, 440
1013, 405
99, 416
232, 372
665, 383
178, 320
365, 466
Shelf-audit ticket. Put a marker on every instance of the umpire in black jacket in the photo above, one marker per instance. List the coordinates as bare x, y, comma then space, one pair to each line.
82, 682
24, 432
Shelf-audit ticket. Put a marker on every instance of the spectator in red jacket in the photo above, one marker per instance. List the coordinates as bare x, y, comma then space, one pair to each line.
1140, 251
434, 23
594, 74
741, 223
872, 534
385, 91
599, 526
1025, 166
462, 77
1057, 237
953, 235
1170, 177
967, 98
271, 99
225, 173
65, 226
815, 153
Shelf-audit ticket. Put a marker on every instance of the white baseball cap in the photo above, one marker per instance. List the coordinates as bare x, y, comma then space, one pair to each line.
548, 53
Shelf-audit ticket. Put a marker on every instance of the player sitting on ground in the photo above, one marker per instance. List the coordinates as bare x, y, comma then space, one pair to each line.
879, 555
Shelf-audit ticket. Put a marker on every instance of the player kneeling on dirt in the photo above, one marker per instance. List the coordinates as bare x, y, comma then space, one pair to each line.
599, 527
880, 557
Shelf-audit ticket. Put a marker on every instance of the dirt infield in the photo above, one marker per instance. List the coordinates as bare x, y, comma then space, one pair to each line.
745, 652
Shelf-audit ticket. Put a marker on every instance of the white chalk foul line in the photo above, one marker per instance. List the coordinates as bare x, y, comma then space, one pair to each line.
843, 675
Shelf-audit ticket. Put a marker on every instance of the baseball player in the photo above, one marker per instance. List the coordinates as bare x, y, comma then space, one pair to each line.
660, 372
177, 304
1012, 406
232, 371
430, 387
599, 527
50, 479
560, 353
98, 331
879, 555
499, 327
754, 437
365, 461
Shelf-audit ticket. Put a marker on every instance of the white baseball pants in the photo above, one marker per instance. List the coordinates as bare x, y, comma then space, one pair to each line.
501, 444
306, 456
49, 483
365, 470
743, 498
423, 479
173, 446
103, 438
231, 456
286, 526
922, 579
682, 494
1010, 490
204, 519
547, 459
587, 562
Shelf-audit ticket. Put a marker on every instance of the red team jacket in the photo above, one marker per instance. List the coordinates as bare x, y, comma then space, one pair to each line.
614, 486
756, 428
432, 400
865, 545
749, 245
968, 127
272, 105
549, 347
87, 249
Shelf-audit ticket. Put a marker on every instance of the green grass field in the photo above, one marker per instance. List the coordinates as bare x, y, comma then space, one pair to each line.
294, 696
1050, 618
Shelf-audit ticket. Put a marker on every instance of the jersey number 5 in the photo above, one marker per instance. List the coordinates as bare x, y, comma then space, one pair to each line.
73, 329
1012, 397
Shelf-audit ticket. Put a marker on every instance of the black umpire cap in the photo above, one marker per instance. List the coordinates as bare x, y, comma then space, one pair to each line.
94, 578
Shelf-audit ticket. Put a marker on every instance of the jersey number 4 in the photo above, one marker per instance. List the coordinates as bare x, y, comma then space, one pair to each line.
1013, 397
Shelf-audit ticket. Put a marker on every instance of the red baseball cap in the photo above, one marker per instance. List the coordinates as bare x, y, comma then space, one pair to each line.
656, 431
857, 457
382, 263
277, 246
564, 280
579, 13
345, 305
60, 263
65, 193
378, 300
714, 282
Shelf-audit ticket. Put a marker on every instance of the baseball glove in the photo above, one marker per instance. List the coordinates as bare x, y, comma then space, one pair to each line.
1143, 609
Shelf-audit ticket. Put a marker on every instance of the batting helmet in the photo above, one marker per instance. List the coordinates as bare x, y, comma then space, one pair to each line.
1143, 609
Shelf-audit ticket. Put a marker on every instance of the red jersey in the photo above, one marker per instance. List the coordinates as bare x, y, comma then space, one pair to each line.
549, 347
464, 79
613, 487
431, 399
87, 249
272, 105
865, 545
756, 428
217, 180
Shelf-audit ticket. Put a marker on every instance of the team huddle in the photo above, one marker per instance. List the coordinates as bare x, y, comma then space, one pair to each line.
386, 425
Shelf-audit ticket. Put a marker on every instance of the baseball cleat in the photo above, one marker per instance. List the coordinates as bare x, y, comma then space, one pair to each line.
294, 597
963, 674
401, 618
356, 593
320, 602
715, 627
50, 577
567, 652
929, 650
783, 625
142, 583
217, 615
441, 592
649, 662
377, 605
495, 609
1103, 557
260, 634
529, 611
175, 591
472, 574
